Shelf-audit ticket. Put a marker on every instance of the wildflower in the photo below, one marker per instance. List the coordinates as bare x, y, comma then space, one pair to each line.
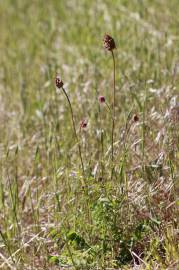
59, 85
101, 99
83, 124
109, 43
135, 118
59, 82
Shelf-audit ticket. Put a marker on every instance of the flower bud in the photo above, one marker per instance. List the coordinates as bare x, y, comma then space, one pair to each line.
101, 99
59, 82
135, 118
83, 124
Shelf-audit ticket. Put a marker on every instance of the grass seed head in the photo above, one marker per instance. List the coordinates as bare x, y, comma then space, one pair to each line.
109, 43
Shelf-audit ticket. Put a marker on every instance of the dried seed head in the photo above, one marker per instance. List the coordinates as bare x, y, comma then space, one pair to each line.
58, 82
135, 118
83, 124
109, 43
101, 99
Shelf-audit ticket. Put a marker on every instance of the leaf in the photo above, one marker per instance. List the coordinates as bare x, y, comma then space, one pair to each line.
78, 240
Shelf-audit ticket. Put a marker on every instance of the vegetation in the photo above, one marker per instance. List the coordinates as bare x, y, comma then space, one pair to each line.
90, 168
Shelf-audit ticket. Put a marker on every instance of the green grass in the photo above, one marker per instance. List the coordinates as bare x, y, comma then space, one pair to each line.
52, 215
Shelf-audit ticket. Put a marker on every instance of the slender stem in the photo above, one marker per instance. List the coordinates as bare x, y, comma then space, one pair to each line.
66, 240
113, 106
75, 132
7, 245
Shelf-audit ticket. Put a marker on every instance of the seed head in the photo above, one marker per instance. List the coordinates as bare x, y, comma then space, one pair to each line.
101, 99
83, 124
135, 118
58, 82
109, 43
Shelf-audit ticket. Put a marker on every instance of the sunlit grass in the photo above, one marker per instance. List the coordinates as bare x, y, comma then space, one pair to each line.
50, 219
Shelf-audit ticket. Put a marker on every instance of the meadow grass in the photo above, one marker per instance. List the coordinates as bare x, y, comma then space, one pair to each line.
121, 210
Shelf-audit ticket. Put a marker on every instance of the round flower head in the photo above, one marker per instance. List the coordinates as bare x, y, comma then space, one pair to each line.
58, 82
101, 99
83, 124
109, 43
135, 118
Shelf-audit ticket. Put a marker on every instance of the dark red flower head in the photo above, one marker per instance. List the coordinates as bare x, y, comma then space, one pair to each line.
109, 43
135, 118
83, 124
101, 99
58, 82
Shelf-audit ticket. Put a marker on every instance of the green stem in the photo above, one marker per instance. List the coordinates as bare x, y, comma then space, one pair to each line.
113, 106
5, 241
75, 132
66, 240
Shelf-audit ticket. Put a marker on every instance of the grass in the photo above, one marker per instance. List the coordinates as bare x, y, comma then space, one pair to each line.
52, 214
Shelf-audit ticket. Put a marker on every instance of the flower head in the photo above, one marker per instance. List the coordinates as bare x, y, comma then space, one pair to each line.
135, 118
83, 124
58, 82
101, 99
109, 43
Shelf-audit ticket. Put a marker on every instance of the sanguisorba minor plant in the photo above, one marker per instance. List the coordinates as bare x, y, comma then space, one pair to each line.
60, 85
109, 45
